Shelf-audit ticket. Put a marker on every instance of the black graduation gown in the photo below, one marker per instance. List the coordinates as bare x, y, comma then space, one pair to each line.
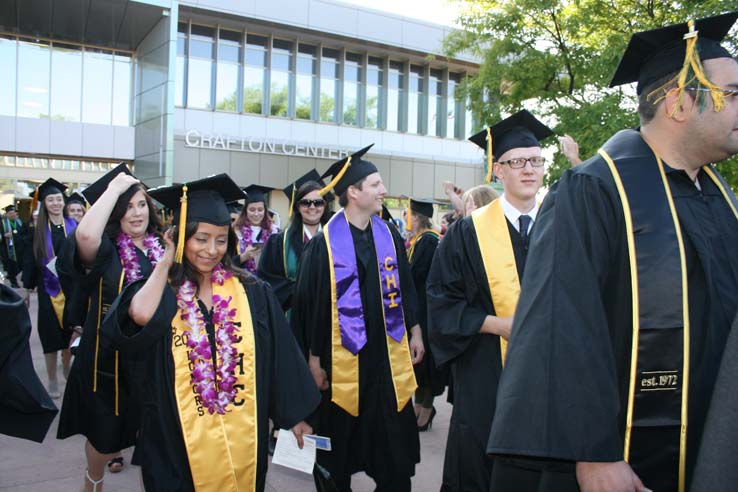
380, 441
26, 411
12, 265
53, 336
458, 302
271, 267
564, 391
427, 373
285, 390
84, 411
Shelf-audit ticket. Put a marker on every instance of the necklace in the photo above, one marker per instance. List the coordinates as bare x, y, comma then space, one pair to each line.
129, 258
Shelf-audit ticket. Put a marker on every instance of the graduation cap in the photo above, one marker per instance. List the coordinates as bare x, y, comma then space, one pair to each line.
76, 198
257, 193
423, 206
9, 208
653, 54
385, 214
93, 192
517, 131
48, 187
348, 171
234, 207
203, 200
291, 189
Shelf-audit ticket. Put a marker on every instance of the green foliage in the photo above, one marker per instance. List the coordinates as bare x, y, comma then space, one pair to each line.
556, 58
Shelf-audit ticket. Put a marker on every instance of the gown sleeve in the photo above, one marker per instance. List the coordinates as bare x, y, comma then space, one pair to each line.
558, 396
294, 395
69, 265
311, 313
271, 270
455, 315
121, 333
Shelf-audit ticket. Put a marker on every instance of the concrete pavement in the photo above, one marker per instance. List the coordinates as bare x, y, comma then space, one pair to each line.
59, 466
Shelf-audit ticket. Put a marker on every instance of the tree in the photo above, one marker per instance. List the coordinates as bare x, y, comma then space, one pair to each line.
556, 57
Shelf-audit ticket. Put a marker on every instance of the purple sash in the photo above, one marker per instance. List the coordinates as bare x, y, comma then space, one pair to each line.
51, 281
350, 310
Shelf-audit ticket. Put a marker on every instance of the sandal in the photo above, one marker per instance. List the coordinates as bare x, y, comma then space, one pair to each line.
94, 483
116, 464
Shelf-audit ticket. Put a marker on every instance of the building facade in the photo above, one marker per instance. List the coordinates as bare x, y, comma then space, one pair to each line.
264, 91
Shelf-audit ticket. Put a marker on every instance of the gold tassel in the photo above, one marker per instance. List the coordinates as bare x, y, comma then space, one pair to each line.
488, 177
292, 201
336, 178
692, 61
182, 225
409, 227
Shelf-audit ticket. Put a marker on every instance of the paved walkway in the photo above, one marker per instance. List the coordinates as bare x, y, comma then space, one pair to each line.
58, 466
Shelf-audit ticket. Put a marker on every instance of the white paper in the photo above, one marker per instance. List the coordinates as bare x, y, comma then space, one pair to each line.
52, 266
288, 454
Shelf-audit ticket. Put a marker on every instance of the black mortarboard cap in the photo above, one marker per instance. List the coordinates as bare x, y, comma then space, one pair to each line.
311, 175
346, 175
653, 54
423, 206
257, 193
93, 192
9, 208
385, 214
519, 130
77, 198
206, 199
50, 187
234, 207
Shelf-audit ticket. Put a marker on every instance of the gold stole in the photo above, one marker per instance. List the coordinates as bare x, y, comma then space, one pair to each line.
345, 365
57, 303
498, 257
221, 449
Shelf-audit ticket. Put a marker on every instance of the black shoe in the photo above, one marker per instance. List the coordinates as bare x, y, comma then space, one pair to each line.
429, 424
272, 444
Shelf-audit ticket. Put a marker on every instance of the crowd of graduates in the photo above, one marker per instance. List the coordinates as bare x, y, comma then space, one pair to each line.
579, 340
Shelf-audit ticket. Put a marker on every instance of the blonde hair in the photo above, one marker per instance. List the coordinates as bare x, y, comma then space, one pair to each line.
479, 195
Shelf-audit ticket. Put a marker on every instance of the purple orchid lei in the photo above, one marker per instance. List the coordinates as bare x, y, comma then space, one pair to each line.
216, 388
246, 239
129, 259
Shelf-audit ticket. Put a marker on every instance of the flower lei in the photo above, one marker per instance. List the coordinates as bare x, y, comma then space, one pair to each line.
215, 387
129, 258
246, 239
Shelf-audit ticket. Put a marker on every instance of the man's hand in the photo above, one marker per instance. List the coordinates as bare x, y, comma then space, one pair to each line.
299, 430
495, 325
319, 374
610, 477
570, 149
417, 349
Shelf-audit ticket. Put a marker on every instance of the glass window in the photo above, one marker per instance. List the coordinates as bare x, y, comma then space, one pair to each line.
122, 77
329, 68
454, 108
415, 100
395, 95
97, 87
352, 74
229, 64
468, 120
66, 82
435, 103
200, 67
181, 64
306, 81
33, 79
374, 91
281, 74
8, 48
254, 74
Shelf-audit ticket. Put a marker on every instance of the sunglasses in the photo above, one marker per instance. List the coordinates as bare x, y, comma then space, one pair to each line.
315, 203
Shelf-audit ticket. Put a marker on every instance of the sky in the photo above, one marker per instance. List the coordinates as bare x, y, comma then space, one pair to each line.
442, 12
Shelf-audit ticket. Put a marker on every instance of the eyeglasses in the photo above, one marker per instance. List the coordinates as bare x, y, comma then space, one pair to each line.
315, 203
520, 162
726, 92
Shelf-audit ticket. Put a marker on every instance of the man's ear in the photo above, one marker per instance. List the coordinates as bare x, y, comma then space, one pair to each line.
497, 169
675, 107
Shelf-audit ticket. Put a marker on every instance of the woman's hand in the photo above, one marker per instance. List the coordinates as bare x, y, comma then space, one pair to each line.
121, 183
249, 253
169, 249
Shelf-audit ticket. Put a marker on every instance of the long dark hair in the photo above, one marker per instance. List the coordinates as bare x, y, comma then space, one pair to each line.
295, 230
266, 221
185, 271
39, 234
112, 229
